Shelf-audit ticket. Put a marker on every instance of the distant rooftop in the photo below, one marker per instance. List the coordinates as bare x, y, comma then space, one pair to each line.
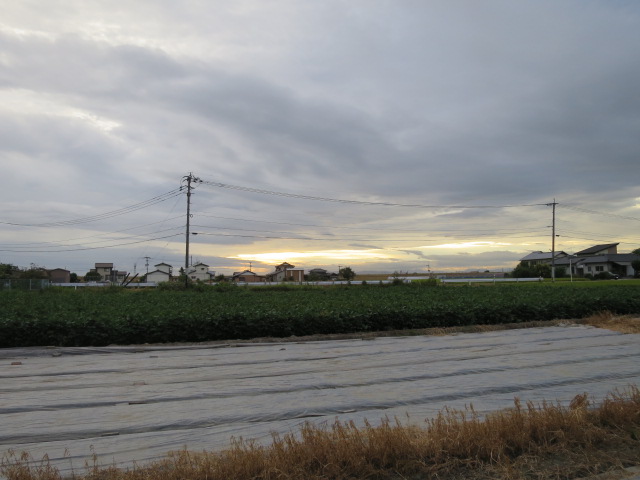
597, 248
542, 256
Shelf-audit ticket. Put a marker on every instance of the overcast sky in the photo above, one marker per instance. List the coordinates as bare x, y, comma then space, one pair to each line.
449, 125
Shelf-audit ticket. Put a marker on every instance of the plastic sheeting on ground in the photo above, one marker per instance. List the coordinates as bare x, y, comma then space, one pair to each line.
137, 403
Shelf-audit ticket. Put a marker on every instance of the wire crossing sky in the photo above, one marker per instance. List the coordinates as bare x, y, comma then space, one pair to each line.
357, 202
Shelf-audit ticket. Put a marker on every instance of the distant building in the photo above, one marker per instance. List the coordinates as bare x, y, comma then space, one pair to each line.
537, 258
605, 249
247, 276
200, 273
59, 275
104, 270
108, 274
590, 261
319, 274
286, 272
162, 273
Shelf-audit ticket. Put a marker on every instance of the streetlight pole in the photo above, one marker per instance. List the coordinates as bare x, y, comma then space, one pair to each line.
570, 269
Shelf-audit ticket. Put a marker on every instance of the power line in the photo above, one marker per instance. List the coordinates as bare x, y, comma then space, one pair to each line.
386, 229
63, 245
103, 216
336, 239
594, 212
421, 233
57, 242
91, 248
356, 202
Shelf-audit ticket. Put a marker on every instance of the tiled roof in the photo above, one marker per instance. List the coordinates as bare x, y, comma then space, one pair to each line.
597, 248
541, 256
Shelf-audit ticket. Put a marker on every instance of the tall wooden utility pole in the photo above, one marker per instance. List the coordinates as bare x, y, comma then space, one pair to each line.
553, 239
189, 179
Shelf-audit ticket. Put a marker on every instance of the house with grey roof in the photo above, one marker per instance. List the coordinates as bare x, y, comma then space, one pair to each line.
615, 263
591, 261
162, 273
537, 258
200, 273
108, 273
605, 249
285, 271
247, 276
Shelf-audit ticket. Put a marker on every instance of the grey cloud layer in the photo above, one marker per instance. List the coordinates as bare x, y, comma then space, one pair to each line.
421, 103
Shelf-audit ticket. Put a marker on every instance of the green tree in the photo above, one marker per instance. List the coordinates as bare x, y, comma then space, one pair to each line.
347, 273
73, 277
34, 272
636, 251
636, 267
92, 276
525, 271
183, 278
8, 271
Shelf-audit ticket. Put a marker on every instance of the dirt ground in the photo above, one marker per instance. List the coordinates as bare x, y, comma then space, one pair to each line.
619, 323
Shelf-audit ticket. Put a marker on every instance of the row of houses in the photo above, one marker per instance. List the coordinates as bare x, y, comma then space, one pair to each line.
591, 261
283, 272
164, 272
200, 272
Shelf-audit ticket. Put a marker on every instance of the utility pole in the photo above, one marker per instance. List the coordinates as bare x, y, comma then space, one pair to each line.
189, 179
146, 264
553, 239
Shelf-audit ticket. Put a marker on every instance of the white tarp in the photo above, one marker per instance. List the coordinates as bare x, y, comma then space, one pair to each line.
137, 403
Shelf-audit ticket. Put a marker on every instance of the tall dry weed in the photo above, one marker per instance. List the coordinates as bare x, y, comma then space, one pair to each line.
455, 444
611, 321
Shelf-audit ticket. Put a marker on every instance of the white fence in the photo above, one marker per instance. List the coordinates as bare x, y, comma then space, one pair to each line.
490, 280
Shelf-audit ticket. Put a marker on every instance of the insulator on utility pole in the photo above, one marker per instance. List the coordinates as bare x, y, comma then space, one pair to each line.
189, 179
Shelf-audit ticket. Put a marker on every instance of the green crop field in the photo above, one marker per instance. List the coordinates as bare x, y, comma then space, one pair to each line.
119, 316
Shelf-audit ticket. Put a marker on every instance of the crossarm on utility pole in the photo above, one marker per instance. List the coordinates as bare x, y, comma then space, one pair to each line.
189, 179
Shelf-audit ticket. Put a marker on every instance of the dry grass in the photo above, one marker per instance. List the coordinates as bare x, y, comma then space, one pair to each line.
524, 442
619, 323
529, 441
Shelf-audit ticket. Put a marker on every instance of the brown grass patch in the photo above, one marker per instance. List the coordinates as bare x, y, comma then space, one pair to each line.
524, 442
610, 321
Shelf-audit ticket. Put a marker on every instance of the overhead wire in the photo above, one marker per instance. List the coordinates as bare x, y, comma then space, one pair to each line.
511, 233
107, 240
387, 229
595, 212
167, 242
91, 248
359, 237
335, 239
102, 234
103, 216
356, 202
